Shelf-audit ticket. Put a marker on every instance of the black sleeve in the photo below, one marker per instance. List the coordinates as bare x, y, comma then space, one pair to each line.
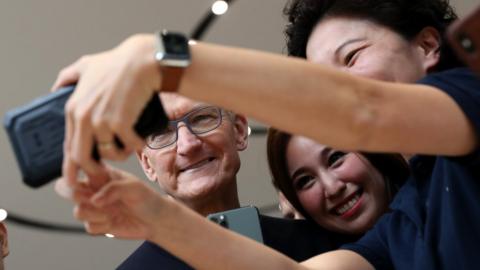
463, 86
373, 245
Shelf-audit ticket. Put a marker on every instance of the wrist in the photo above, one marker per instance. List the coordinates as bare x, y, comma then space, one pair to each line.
164, 219
172, 54
141, 47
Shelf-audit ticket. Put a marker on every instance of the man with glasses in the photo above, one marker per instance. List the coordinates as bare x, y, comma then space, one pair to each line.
195, 160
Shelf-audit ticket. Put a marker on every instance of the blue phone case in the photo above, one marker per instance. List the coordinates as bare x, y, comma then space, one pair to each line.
36, 133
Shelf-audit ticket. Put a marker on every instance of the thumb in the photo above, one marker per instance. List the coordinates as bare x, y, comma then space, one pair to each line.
70, 74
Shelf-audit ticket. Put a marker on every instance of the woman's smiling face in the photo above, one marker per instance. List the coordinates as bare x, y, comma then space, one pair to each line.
367, 49
341, 191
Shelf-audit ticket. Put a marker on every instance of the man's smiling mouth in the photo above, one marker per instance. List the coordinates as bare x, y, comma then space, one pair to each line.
197, 165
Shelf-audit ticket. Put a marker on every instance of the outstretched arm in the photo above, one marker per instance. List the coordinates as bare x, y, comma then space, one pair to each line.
335, 108
128, 208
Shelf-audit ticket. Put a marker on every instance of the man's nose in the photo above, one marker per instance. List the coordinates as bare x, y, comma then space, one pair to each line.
186, 141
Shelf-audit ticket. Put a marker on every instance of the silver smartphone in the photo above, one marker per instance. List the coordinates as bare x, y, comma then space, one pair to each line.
245, 221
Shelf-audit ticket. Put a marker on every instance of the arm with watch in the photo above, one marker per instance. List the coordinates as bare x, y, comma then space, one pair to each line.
114, 86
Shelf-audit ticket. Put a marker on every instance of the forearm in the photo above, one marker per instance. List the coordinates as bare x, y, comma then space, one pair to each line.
205, 245
335, 108
287, 93
338, 260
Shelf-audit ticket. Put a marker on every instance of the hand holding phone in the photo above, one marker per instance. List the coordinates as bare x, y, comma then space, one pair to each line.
464, 36
36, 132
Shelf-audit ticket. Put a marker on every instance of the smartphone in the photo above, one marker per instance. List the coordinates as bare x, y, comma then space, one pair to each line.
245, 221
36, 133
464, 36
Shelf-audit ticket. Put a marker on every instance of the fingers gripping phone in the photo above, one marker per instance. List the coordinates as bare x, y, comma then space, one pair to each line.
464, 36
244, 221
36, 133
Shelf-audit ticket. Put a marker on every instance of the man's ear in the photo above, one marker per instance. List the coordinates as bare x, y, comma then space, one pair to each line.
147, 167
4, 240
429, 42
241, 131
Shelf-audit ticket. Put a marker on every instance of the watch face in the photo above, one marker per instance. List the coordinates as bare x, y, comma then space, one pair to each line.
176, 45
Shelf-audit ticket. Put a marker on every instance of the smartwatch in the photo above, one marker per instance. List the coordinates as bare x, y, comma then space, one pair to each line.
173, 56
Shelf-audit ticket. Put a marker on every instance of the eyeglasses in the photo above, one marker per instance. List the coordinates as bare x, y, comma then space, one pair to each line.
198, 121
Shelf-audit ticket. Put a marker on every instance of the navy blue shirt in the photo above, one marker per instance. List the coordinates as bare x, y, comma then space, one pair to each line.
297, 239
434, 221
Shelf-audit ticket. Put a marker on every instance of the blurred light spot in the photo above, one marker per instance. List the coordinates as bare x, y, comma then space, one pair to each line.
219, 7
3, 215
109, 235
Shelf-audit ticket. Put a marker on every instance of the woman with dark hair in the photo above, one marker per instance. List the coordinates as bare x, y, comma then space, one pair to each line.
379, 78
304, 15
344, 192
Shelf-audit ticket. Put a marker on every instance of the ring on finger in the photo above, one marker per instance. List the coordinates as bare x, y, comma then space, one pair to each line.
105, 145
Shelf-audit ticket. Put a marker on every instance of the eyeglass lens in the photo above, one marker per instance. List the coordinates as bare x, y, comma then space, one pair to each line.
198, 121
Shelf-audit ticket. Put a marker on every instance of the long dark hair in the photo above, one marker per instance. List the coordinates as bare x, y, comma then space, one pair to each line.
392, 167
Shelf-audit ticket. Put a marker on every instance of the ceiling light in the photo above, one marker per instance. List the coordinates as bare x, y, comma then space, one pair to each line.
3, 215
219, 7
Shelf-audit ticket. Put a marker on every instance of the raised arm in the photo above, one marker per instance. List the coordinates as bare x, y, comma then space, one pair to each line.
333, 107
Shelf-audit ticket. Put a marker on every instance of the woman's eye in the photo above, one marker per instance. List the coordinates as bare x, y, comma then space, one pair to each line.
336, 158
304, 182
349, 59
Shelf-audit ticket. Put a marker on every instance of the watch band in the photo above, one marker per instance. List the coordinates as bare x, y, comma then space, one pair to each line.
171, 77
173, 56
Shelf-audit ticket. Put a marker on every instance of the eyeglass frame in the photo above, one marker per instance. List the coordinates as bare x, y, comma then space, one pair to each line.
184, 119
